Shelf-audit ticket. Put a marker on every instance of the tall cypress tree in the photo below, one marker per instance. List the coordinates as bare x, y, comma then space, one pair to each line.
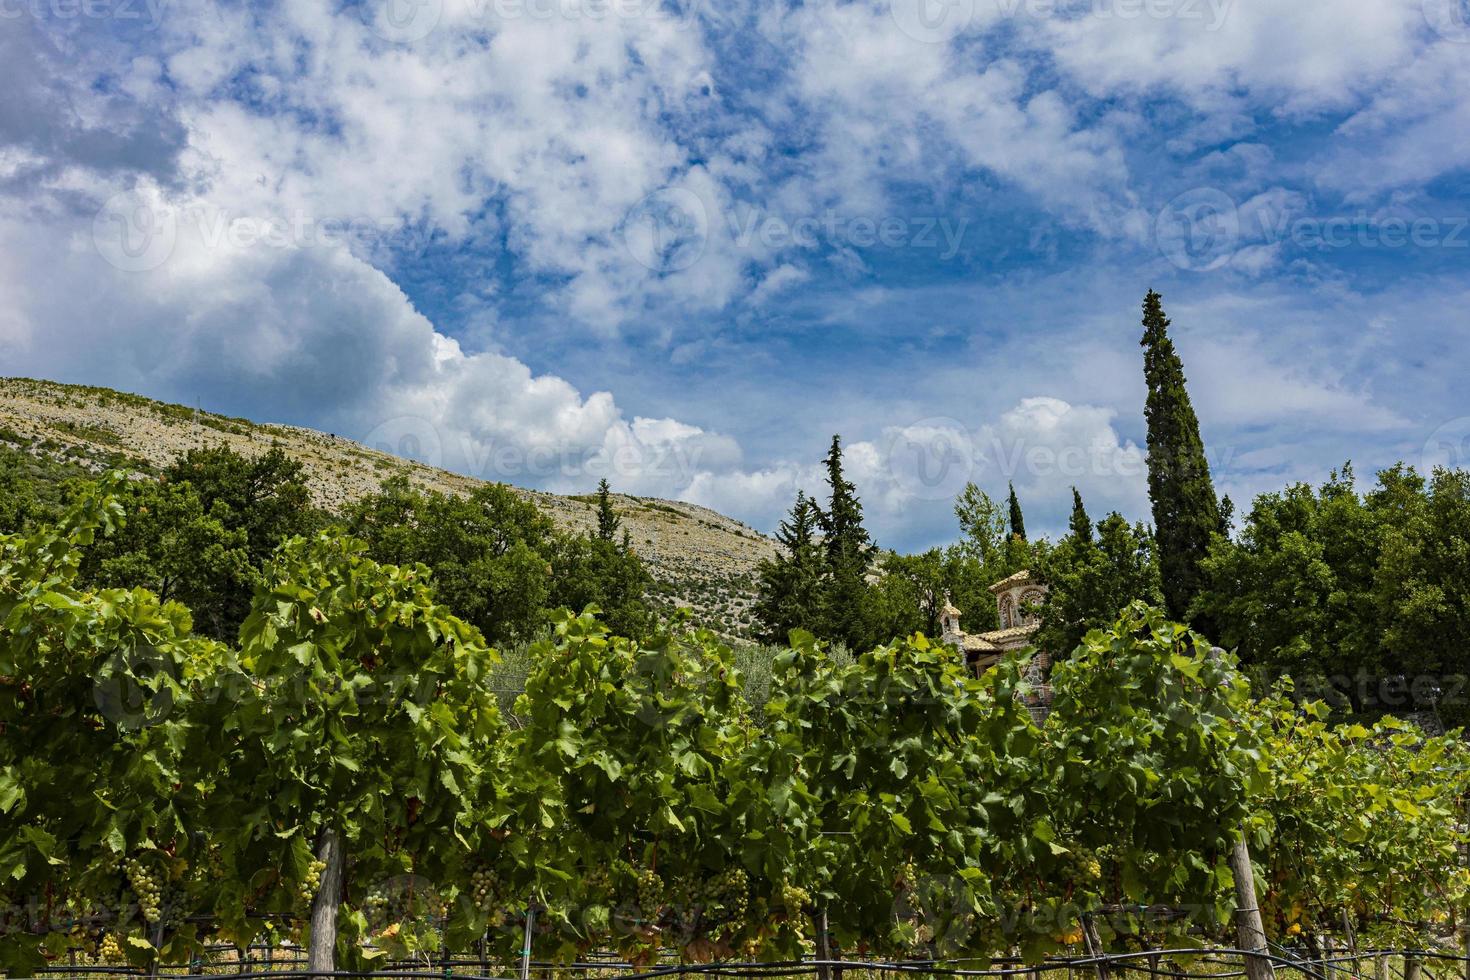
848, 612
789, 584
608, 520
1080, 525
1018, 523
1186, 510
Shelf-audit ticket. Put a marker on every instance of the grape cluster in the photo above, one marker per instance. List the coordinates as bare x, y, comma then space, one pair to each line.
483, 888
793, 899
306, 888
650, 891
599, 881
148, 890
730, 889
12, 917
110, 950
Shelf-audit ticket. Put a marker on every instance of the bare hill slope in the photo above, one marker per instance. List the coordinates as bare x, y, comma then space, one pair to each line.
700, 559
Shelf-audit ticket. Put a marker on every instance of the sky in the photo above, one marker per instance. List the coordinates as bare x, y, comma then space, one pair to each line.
680, 244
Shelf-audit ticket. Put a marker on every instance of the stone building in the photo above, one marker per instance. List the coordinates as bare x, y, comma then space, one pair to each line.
1016, 599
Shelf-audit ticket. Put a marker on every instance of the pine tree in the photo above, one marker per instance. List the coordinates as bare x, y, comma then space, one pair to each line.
789, 585
1080, 525
849, 551
608, 521
1186, 510
1018, 523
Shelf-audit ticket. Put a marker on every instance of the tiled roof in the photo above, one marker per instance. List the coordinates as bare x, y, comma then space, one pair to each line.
978, 644
999, 637
1020, 578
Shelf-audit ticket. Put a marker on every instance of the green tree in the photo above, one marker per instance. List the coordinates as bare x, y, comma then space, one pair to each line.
591, 571
910, 593
490, 551
18, 501
1017, 522
266, 494
1294, 594
1185, 509
178, 549
789, 584
982, 525
1080, 525
608, 521
1421, 585
849, 557
1089, 582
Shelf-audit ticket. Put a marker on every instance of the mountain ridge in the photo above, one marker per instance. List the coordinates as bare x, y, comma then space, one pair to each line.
699, 559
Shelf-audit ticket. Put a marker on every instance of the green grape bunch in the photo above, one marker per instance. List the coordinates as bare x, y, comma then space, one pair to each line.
794, 900
650, 891
306, 888
110, 950
483, 888
147, 888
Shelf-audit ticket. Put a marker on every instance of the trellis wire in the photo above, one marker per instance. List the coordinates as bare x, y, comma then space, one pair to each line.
1144, 962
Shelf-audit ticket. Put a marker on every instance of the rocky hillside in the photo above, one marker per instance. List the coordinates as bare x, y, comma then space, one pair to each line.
700, 559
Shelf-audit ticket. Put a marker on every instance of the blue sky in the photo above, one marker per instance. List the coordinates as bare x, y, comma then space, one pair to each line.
681, 245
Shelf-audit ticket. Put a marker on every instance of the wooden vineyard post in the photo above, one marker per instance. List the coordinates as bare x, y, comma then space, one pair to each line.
1250, 931
824, 948
1093, 939
322, 955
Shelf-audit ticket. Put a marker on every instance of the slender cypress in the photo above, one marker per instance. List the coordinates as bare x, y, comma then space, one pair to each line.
1018, 523
1080, 525
789, 589
1186, 510
849, 555
608, 521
